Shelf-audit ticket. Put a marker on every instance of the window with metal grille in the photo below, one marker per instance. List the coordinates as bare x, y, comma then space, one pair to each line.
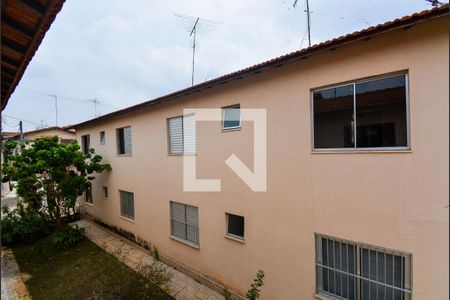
231, 117
184, 222
88, 194
124, 140
85, 143
182, 136
349, 270
102, 138
235, 226
127, 205
362, 115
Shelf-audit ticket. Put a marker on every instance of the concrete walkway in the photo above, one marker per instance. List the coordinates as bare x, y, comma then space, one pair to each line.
13, 287
181, 286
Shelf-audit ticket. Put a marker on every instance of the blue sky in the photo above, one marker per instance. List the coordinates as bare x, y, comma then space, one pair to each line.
127, 52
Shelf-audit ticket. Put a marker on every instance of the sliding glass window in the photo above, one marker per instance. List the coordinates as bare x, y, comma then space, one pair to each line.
371, 114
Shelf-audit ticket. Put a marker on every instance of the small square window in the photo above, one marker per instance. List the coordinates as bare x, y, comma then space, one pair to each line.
102, 138
235, 226
105, 192
231, 117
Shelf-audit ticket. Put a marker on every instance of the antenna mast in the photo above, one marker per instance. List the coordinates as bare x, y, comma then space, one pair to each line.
95, 101
194, 25
56, 107
308, 18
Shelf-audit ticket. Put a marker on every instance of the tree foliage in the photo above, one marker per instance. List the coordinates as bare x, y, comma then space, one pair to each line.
50, 175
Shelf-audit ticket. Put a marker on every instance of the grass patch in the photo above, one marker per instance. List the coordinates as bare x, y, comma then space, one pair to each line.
84, 271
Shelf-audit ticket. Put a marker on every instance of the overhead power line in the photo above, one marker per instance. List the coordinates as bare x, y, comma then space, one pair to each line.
20, 119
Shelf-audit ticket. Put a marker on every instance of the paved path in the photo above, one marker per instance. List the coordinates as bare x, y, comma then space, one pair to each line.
13, 287
181, 286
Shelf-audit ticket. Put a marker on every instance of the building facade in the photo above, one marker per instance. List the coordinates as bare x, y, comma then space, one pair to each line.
356, 204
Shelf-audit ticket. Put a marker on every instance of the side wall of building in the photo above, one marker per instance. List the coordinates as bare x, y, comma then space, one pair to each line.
397, 200
63, 134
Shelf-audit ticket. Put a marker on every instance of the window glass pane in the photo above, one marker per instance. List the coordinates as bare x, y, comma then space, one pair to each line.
88, 194
381, 113
338, 257
85, 143
120, 141
184, 222
192, 234
178, 229
231, 117
177, 212
102, 137
127, 204
333, 117
236, 225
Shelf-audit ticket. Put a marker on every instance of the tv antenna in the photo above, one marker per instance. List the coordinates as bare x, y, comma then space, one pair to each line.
95, 101
308, 17
56, 107
195, 25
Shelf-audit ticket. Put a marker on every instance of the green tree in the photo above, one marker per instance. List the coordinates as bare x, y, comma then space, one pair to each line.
8, 149
50, 175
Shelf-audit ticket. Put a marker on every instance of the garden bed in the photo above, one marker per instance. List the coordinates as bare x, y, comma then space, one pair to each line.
84, 271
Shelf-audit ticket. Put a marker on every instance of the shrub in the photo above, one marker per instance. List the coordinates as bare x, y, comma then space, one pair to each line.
154, 280
255, 287
23, 225
68, 237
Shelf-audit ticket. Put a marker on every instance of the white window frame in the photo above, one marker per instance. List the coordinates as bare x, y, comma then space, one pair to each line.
227, 228
364, 149
186, 224
118, 142
169, 152
120, 206
235, 106
408, 267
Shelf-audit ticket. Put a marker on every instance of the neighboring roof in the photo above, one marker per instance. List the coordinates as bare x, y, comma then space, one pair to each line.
9, 134
404, 22
24, 25
44, 130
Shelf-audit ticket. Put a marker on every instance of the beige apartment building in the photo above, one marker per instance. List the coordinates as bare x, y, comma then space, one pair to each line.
356, 200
